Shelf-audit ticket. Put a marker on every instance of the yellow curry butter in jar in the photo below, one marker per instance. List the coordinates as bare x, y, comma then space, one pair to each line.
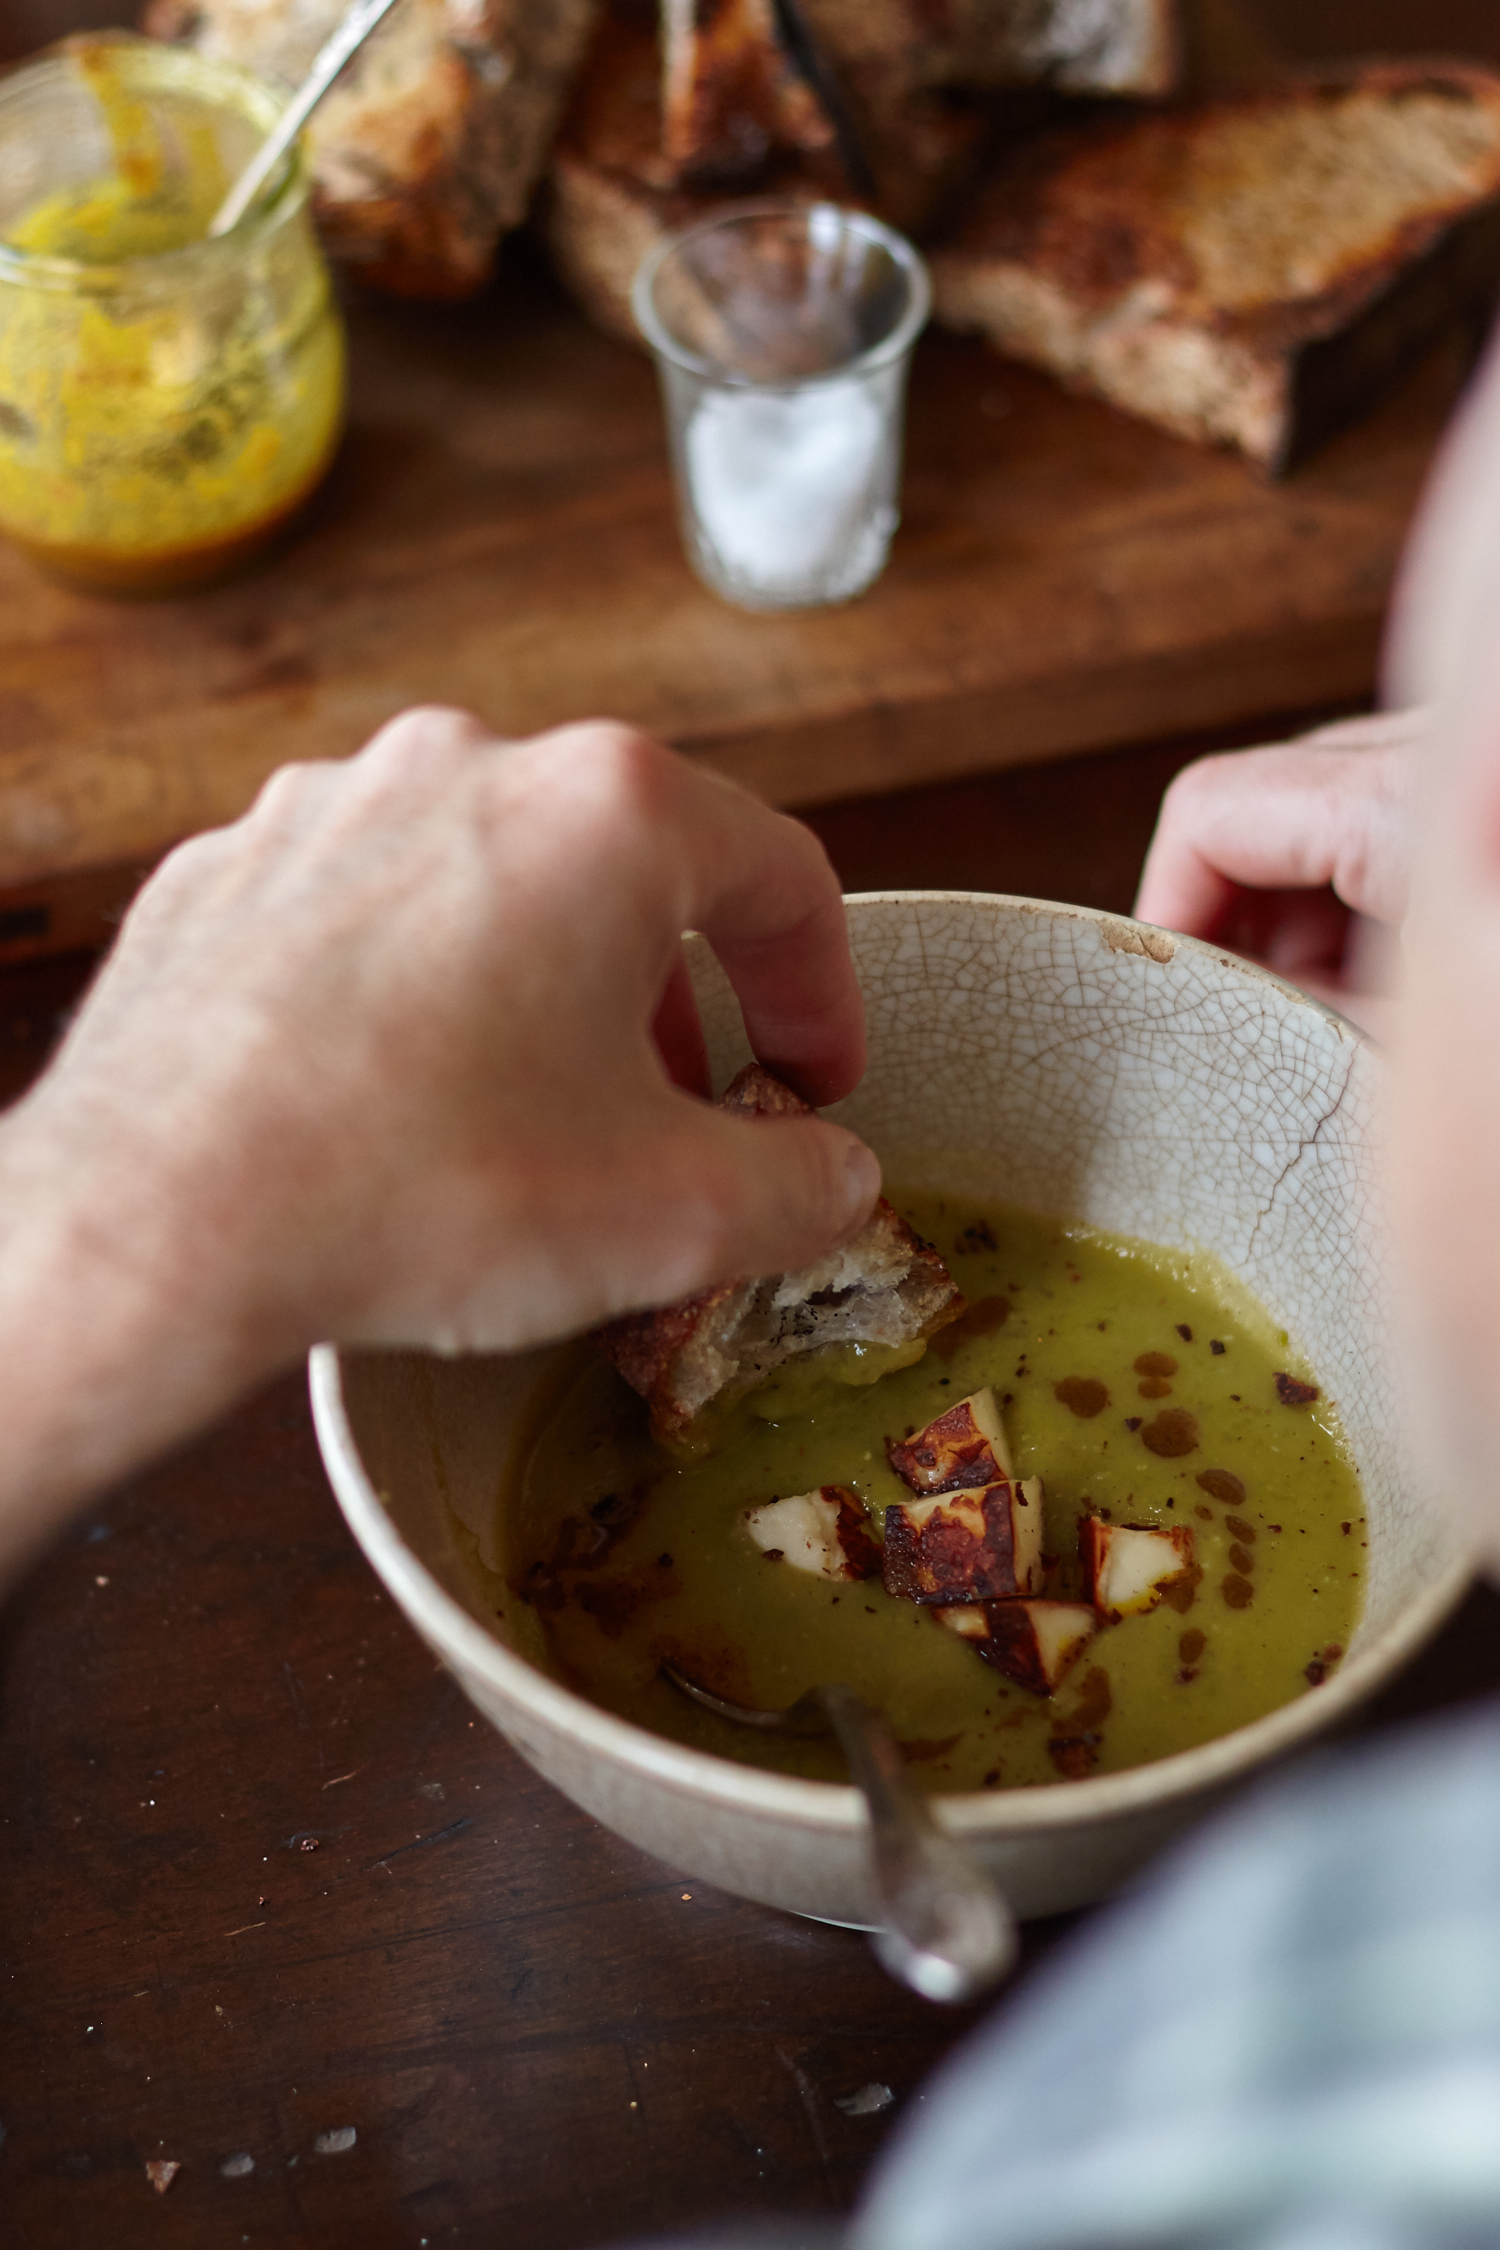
167, 402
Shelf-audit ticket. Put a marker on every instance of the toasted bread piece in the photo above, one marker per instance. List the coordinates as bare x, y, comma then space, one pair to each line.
885, 1286
616, 189
427, 150
732, 91
894, 48
1245, 272
614, 193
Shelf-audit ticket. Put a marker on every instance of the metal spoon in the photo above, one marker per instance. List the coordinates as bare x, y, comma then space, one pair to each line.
945, 1930
351, 31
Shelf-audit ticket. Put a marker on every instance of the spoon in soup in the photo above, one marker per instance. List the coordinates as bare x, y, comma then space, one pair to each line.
944, 1928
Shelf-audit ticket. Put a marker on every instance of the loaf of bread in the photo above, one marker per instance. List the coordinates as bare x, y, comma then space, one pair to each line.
886, 1286
733, 91
662, 130
1247, 272
427, 150
614, 193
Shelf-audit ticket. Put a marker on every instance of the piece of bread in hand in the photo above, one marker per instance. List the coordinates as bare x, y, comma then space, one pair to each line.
884, 1286
428, 148
1246, 272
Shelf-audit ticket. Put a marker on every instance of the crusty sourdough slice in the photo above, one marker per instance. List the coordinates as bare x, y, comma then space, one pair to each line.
615, 191
1080, 46
733, 91
1245, 272
884, 1286
429, 147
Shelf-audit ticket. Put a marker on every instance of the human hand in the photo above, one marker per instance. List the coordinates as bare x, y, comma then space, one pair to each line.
1290, 853
393, 1058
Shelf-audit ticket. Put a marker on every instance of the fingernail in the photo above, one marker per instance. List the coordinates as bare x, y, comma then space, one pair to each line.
861, 1177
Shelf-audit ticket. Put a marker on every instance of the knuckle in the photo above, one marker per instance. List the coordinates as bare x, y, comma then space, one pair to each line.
180, 873
284, 793
624, 761
416, 739
613, 775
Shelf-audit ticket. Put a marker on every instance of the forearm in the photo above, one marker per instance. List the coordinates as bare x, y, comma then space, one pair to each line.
119, 1330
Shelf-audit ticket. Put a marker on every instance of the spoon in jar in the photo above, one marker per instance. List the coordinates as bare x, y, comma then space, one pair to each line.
350, 32
944, 1928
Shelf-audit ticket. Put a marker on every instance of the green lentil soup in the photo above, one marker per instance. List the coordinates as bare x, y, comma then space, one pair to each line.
1140, 1386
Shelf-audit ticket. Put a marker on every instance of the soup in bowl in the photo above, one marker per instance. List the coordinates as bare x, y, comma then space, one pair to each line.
1151, 1169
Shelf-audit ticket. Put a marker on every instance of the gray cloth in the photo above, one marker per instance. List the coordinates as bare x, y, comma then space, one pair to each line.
1289, 2040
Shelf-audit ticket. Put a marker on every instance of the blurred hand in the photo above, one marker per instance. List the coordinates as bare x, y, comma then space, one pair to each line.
1291, 853
404, 1056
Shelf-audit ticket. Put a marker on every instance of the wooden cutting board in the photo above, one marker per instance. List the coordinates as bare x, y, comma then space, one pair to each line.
500, 533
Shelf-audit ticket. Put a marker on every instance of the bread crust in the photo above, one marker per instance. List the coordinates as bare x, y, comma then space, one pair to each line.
624, 175
718, 1345
428, 149
1093, 252
732, 91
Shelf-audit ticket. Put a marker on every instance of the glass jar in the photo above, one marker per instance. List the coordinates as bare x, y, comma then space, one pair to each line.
782, 333
167, 402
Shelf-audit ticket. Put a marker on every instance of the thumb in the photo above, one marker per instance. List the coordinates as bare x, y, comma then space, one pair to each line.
729, 1197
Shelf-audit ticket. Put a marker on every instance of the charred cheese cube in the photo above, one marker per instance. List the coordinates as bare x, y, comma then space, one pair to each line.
1035, 1643
1128, 1567
962, 1450
970, 1620
979, 1546
823, 1532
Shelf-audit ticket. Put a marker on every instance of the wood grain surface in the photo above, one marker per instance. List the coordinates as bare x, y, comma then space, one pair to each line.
500, 532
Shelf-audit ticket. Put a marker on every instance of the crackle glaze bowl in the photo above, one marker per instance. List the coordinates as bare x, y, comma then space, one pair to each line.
1093, 1069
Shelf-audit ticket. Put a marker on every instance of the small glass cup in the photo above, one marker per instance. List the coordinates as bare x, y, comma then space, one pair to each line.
782, 333
162, 417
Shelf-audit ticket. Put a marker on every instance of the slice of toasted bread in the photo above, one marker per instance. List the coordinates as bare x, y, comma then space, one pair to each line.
884, 1286
1245, 272
428, 148
912, 46
613, 191
617, 189
733, 91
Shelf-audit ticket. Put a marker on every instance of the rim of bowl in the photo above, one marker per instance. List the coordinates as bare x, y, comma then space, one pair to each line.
831, 1805
902, 337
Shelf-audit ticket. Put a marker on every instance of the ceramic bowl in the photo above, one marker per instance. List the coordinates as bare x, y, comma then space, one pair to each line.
1088, 1067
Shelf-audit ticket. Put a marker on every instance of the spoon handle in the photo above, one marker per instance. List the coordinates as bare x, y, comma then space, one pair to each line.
352, 29
946, 1931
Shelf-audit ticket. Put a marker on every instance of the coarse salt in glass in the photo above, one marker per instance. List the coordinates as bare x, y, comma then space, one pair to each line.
782, 334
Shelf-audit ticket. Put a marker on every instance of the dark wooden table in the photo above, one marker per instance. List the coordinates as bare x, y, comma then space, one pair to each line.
264, 1879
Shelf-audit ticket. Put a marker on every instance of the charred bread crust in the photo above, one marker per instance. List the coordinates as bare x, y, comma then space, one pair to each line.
1085, 255
429, 147
612, 192
733, 91
670, 1354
